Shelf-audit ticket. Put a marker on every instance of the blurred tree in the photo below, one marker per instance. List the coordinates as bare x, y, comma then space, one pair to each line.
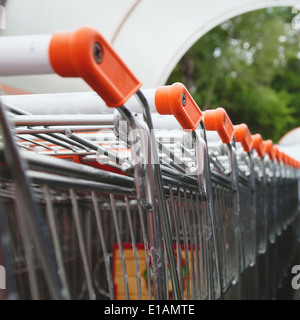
248, 65
287, 82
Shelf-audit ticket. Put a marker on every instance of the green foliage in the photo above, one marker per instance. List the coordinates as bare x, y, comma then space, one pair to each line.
249, 66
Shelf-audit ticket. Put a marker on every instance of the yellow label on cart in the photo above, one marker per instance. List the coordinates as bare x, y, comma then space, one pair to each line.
129, 259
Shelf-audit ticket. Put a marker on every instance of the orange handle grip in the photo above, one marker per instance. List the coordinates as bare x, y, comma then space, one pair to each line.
175, 99
218, 120
258, 145
278, 154
282, 156
243, 135
285, 159
289, 160
86, 54
270, 149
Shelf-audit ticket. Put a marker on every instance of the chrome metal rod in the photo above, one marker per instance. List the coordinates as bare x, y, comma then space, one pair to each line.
213, 223
56, 242
107, 261
62, 120
7, 259
53, 129
67, 182
82, 246
31, 214
86, 143
162, 202
59, 166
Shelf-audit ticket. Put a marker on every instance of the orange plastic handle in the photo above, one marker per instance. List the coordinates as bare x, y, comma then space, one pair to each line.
218, 120
294, 163
243, 135
175, 99
86, 54
258, 145
278, 154
282, 156
285, 158
270, 149
289, 161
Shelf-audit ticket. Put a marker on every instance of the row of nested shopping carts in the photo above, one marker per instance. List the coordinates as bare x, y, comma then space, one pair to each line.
124, 193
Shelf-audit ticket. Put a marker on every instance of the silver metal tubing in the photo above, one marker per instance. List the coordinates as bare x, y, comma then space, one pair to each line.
30, 215
162, 202
59, 166
62, 120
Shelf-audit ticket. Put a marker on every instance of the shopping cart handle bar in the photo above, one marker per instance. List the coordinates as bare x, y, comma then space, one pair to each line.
258, 145
175, 99
243, 135
270, 148
218, 120
25, 55
86, 54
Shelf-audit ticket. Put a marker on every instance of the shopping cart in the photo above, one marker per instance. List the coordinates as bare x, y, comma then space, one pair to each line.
287, 240
98, 201
185, 160
224, 172
246, 178
73, 200
244, 146
102, 69
262, 270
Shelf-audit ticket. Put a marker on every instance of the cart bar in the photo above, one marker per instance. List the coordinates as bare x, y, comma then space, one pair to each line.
243, 135
70, 102
25, 55
63, 120
258, 145
58, 166
270, 149
175, 99
218, 120
86, 54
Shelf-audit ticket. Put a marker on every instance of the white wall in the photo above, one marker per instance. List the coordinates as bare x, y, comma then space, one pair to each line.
150, 35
